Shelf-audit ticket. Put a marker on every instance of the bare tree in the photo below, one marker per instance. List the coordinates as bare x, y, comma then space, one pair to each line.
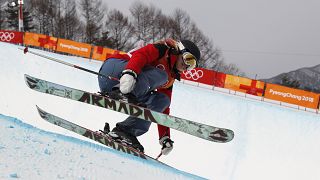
153, 14
60, 22
146, 21
11, 14
180, 25
71, 20
28, 24
211, 56
184, 28
44, 13
92, 11
120, 31
52, 10
138, 19
163, 27
12, 17
2, 16
67, 21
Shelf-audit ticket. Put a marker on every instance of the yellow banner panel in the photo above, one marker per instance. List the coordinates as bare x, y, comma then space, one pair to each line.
101, 53
244, 85
40, 40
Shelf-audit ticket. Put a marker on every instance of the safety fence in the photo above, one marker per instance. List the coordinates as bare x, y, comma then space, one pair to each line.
254, 89
57, 44
231, 84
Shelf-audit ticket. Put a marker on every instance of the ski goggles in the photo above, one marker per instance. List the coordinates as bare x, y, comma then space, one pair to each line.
189, 59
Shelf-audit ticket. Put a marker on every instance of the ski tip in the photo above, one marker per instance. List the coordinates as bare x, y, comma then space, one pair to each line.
39, 109
27, 79
30, 81
41, 112
230, 136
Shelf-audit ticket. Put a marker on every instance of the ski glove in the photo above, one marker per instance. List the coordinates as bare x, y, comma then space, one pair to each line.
127, 81
167, 145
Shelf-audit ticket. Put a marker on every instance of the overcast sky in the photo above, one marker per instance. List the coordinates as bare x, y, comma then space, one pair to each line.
263, 38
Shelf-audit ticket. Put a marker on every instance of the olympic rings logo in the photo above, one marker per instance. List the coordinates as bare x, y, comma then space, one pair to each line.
6, 36
193, 74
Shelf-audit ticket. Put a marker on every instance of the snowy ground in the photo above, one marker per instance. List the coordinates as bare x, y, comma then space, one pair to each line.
30, 153
271, 142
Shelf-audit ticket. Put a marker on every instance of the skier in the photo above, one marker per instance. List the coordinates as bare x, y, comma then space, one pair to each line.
146, 77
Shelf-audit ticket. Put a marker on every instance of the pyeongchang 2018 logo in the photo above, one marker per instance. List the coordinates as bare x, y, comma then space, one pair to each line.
194, 74
6, 36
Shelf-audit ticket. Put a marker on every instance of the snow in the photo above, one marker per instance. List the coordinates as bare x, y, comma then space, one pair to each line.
27, 152
271, 142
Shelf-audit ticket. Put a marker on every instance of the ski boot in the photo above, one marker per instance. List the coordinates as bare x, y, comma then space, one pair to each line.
129, 140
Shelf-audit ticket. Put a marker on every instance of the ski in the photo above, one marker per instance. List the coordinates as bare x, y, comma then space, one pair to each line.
207, 132
96, 136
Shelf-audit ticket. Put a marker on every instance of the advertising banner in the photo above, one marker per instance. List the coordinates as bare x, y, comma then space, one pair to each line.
101, 53
244, 85
11, 36
40, 40
75, 48
199, 75
292, 96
